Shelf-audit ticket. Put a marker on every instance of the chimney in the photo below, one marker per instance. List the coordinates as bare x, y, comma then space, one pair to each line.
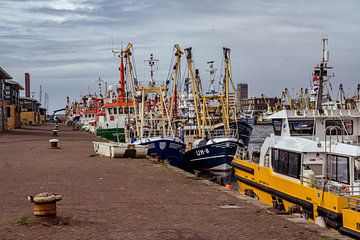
27, 85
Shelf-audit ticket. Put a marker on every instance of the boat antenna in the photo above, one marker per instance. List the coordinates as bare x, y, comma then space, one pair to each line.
152, 62
322, 72
212, 71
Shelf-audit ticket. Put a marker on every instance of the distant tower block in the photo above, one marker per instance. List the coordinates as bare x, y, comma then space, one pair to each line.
243, 92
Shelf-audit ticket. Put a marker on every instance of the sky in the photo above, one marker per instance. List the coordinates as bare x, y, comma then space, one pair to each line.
66, 45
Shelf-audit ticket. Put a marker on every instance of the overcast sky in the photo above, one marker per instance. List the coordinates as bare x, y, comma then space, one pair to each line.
66, 45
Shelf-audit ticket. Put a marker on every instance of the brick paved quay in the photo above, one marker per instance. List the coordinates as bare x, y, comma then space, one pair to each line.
122, 198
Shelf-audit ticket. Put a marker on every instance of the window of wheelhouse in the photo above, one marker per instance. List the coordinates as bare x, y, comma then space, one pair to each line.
115, 110
357, 169
301, 127
286, 162
277, 124
345, 126
110, 110
338, 168
126, 110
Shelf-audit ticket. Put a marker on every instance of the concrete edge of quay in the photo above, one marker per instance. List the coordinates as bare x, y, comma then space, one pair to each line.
323, 232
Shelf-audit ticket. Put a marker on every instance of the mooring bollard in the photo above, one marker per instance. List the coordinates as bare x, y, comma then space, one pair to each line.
55, 132
45, 203
54, 143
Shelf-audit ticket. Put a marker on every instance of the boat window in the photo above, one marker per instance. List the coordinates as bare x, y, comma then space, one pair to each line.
283, 162
126, 110
317, 168
115, 110
357, 169
131, 110
301, 127
110, 110
287, 163
339, 169
121, 110
275, 159
294, 164
345, 125
277, 123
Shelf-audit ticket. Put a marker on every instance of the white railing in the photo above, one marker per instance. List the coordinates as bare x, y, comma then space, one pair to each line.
334, 188
218, 133
353, 202
154, 133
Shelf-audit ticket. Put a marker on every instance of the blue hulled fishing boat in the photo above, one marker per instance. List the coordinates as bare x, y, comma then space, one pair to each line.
215, 145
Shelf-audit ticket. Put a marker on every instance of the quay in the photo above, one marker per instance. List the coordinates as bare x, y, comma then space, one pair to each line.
105, 198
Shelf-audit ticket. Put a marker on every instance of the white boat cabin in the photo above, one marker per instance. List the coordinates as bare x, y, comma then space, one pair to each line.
334, 165
310, 124
117, 116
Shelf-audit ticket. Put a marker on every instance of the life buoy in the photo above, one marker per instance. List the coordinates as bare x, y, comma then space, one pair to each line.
345, 188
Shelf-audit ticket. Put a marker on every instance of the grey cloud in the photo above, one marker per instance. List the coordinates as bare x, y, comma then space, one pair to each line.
274, 43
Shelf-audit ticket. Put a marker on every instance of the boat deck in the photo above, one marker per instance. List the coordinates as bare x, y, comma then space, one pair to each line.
105, 198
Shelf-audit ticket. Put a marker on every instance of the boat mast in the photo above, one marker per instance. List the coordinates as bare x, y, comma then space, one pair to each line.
127, 54
121, 89
152, 88
322, 71
194, 89
212, 71
226, 52
173, 97
121, 94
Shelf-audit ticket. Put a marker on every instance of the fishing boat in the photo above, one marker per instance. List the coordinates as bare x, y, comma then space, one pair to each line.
90, 112
118, 110
248, 116
306, 169
155, 128
214, 147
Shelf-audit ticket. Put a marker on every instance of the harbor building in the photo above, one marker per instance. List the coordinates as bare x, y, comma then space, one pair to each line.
43, 116
9, 101
30, 107
3, 77
30, 111
12, 102
259, 104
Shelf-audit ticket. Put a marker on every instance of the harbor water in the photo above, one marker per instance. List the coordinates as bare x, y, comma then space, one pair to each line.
260, 132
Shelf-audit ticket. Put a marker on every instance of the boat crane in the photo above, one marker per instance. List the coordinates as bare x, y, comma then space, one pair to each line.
195, 91
286, 99
226, 52
127, 53
266, 102
159, 91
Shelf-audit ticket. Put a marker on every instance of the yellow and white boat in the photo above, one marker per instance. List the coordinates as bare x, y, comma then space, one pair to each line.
320, 179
